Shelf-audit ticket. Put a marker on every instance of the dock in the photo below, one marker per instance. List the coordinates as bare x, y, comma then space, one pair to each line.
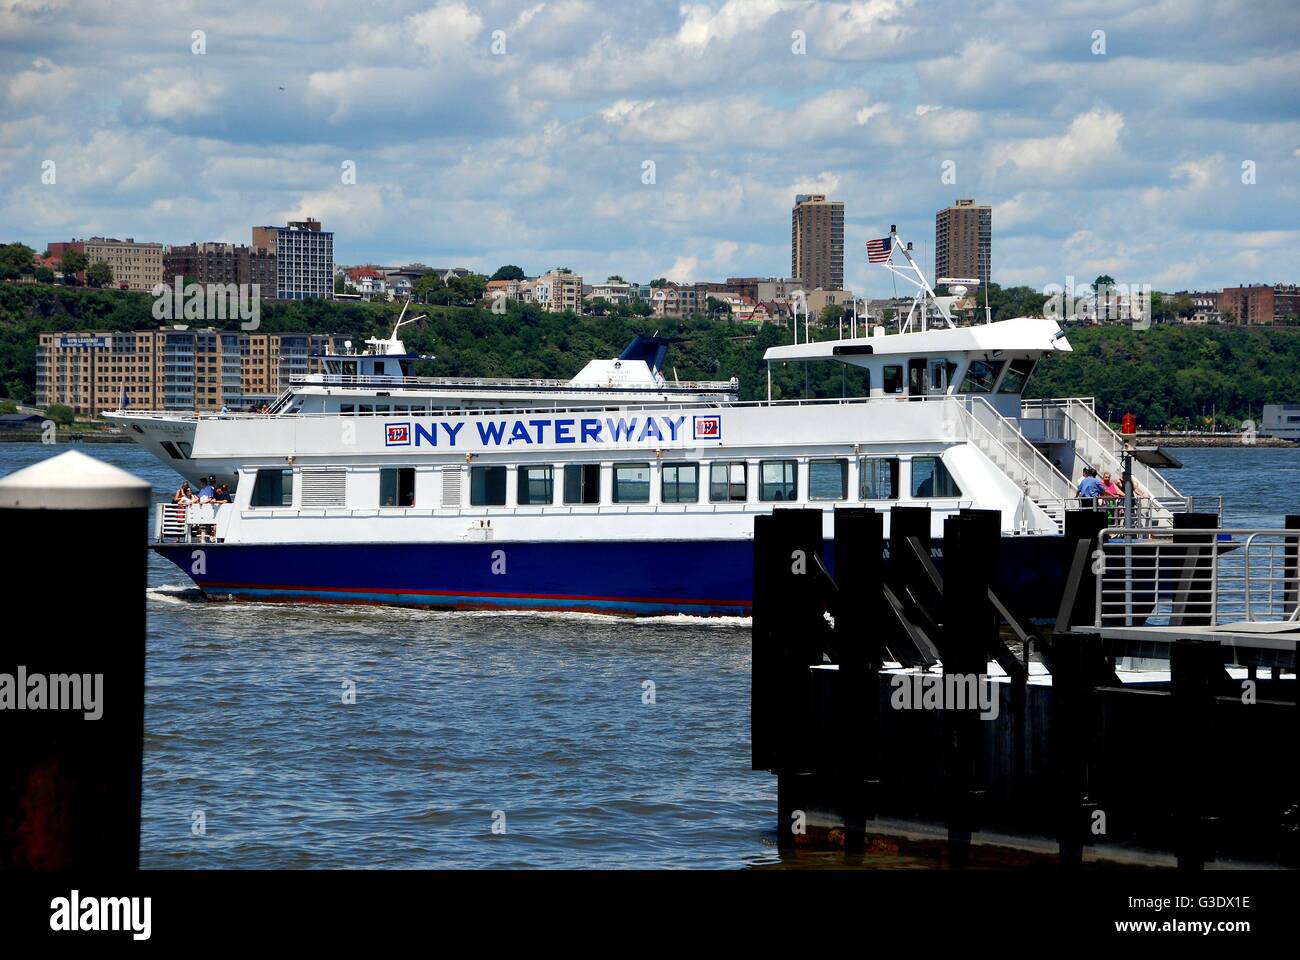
904, 706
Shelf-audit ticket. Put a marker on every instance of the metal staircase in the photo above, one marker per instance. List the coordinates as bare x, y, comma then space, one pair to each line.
1001, 441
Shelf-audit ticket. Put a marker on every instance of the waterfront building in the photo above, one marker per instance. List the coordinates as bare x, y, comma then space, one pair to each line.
1281, 420
173, 368
615, 291
817, 241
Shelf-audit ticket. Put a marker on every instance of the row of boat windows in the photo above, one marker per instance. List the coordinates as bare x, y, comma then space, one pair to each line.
719, 481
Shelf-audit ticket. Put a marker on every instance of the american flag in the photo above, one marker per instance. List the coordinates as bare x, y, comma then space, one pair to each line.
878, 250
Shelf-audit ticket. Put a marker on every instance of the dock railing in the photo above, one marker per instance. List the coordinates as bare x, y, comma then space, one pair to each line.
1240, 578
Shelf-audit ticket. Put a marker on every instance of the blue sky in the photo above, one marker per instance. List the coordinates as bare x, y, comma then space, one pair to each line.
528, 145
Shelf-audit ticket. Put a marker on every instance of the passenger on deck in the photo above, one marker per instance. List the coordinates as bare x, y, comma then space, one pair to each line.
1090, 487
184, 496
207, 493
223, 494
1109, 487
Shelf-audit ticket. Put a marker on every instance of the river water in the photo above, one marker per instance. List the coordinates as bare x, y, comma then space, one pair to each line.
540, 725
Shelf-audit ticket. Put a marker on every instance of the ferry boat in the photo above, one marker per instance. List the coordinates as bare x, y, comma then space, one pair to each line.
621, 490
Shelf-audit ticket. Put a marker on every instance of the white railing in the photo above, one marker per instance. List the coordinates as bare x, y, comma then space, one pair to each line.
1101, 446
1046, 481
514, 383
1196, 577
185, 524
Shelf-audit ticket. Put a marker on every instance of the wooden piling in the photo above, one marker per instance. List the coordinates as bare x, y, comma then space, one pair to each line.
70, 788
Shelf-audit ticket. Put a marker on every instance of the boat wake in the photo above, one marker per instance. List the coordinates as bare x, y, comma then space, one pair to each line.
176, 593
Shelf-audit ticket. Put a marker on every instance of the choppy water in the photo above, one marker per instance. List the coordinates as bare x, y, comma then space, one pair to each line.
459, 716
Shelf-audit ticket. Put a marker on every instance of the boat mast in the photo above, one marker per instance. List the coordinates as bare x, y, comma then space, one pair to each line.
924, 295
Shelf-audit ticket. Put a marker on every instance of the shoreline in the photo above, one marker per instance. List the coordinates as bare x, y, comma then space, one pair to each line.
1211, 440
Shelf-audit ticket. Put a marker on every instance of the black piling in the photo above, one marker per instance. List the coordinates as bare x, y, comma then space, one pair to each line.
789, 634
70, 786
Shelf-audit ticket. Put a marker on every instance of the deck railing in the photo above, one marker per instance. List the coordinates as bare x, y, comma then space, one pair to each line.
1188, 577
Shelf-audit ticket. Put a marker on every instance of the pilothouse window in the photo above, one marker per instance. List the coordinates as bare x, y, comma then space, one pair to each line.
1017, 376
980, 376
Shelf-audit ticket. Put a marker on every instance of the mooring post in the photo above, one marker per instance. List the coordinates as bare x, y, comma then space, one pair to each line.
861, 616
788, 635
970, 546
1196, 672
74, 735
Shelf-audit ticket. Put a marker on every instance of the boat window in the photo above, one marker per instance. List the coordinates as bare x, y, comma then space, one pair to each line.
681, 483
272, 488
893, 379
487, 486
930, 478
878, 478
582, 483
186, 449
980, 376
171, 450
397, 487
347, 409
631, 483
828, 479
727, 482
1017, 376
365, 409
536, 485
776, 480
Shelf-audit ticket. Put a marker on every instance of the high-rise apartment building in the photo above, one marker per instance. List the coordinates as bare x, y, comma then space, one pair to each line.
817, 241
304, 259
963, 241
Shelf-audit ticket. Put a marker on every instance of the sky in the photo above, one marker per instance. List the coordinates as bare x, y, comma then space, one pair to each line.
1158, 143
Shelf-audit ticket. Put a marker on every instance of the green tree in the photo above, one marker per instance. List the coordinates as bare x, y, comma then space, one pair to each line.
830, 315
7, 406
99, 274
509, 272
659, 282
72, 262
16, 260
44, 275
60, 414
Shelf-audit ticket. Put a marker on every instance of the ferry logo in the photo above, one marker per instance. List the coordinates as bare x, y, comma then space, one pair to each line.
397, 434
708, 428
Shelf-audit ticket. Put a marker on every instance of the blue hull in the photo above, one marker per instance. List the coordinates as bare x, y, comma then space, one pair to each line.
699, 578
